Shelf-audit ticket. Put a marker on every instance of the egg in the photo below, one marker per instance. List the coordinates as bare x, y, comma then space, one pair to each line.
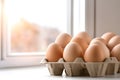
85, 36
100, 39
72, 51
63, 39
103, 47
81, 42
113, 41
107, 36
116, 52
54, 52
94, 53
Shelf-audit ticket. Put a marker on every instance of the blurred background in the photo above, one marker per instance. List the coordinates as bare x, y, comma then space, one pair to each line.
33, 24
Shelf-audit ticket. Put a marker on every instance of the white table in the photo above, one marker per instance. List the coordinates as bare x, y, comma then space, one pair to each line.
42, 73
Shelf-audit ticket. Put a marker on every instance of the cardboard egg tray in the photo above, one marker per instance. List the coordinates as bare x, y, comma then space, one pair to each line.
110, 66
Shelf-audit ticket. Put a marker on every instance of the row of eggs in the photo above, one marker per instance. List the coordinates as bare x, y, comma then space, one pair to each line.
82, 45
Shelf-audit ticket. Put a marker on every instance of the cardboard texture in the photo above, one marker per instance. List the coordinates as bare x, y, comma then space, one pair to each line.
76, 68
113, 66
119, 69
55, 68
110, 66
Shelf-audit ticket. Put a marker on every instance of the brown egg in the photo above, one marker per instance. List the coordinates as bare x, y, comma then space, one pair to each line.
72, 51
107, 36
100, 39
94, 53
102, 45
81, 42
113, 41
85, 36
116, 52
54, 52
63, 39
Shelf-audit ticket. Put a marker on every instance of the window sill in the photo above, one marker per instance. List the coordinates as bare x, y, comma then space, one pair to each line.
21, 61
41, 73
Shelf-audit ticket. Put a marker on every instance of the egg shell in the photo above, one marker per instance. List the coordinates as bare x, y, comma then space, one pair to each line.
63, 39
113, 41
103, 47
116, 52
94, 53
85, 36
81, 42
107, 36
72, 51
100, 39
54, 52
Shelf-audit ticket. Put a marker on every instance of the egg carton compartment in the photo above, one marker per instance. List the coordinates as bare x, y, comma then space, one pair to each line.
55, 68
76, 68
113, 66
119, 69
110, 66
80, 68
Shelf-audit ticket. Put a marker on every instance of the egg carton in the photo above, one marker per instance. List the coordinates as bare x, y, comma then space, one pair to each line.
110, 66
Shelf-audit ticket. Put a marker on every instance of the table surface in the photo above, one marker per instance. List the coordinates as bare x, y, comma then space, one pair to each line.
42, 73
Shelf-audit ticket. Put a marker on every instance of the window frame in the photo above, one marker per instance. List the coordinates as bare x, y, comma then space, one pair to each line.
27, 60
90, 17
0, 27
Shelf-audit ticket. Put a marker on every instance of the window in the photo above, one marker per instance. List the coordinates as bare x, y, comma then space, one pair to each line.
29, 26
33, 26
79, 16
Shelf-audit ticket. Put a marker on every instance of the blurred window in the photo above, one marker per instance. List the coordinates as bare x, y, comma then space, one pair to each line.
27, 27
33, 24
